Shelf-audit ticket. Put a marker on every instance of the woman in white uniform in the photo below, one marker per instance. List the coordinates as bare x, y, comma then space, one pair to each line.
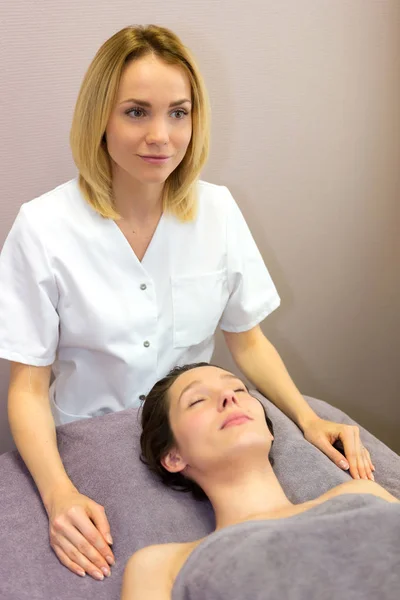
115, 277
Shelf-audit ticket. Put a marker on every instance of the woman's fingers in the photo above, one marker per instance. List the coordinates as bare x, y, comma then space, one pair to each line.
83, 523
346, 436
79, 559
359, 449
98, 516
326, 434
67, 562
75, 534
357, 456
364, 468
368, 464
85, 547
371, 466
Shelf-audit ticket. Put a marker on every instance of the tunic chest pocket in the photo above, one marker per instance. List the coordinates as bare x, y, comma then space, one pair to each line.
198, 303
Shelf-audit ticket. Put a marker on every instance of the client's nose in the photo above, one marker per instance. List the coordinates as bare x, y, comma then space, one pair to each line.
228, 397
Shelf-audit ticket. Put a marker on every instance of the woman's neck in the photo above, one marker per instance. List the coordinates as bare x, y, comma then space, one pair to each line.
253, 493
134, 200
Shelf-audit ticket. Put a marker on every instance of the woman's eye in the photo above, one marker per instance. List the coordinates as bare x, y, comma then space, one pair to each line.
240, 390
181, 112
135, 110
137, 113
196, 402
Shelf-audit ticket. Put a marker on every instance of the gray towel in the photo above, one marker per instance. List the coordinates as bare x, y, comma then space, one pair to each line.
347, 547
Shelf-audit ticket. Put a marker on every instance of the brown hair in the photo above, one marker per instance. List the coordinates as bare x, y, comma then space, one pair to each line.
157, 438
94, 105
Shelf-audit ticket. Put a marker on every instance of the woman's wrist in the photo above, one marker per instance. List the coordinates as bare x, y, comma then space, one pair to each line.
306, 418
295, 406
60, 488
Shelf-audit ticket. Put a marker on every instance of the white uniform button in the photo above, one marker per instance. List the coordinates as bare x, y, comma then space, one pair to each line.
143, 286
146, 344
142, 398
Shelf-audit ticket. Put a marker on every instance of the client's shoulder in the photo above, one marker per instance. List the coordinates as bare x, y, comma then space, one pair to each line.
150, 555
153, 569
361, 486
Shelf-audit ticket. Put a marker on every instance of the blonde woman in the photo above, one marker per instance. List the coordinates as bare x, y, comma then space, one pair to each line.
113, 278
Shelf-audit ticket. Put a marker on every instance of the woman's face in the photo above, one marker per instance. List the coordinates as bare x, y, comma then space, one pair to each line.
212, 417
151, 117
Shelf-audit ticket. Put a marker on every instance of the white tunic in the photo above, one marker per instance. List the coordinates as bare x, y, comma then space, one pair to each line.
74, 294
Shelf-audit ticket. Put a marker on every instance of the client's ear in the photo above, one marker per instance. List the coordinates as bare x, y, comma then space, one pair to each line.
173, 462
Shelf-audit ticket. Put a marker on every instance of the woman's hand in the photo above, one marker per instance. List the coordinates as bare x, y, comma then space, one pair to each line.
80, 533
323, 434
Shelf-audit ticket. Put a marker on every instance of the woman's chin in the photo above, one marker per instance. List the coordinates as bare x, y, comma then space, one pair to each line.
251, 441
154, 178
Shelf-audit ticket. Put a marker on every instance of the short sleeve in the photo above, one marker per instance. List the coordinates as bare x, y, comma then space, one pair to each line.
252, 293
28, 297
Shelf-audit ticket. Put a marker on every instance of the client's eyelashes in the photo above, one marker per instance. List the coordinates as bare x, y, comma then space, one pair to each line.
196, 402
242, 389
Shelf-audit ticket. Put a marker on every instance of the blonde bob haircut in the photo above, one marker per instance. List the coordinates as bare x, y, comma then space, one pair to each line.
96, 100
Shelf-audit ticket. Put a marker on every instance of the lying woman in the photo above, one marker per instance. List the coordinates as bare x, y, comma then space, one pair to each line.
203, 431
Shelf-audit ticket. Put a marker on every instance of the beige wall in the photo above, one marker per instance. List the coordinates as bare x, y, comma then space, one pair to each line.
306, 119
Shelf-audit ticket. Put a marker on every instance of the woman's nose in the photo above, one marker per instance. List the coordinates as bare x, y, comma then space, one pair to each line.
228, 397
158, 133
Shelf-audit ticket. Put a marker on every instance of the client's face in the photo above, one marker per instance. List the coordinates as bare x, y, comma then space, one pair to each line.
212, 416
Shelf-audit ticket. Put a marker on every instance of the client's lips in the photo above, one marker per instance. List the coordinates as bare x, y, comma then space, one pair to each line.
235, 419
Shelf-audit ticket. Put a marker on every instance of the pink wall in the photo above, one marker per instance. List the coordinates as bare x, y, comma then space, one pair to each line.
306, 107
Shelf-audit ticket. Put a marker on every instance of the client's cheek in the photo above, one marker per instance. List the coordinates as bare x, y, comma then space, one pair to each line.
191, 435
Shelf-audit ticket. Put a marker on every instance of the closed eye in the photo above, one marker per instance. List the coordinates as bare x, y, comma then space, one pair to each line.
240, 390
196, 402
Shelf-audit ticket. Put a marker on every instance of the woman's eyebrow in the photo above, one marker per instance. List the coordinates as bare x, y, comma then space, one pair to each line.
185, 389
147, 104
231, 376
197, 382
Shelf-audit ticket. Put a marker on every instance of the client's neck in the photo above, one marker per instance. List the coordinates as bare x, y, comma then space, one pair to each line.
250, 494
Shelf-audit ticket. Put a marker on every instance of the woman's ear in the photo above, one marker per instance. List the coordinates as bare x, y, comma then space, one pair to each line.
173, 462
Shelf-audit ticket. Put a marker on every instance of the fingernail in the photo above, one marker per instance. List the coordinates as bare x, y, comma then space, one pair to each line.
81, 573
344, 465
372, 477
110, 560
109, 539
106, 571
98, 575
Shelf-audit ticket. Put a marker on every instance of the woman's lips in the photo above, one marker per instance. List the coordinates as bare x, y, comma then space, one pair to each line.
236, 421
155, 160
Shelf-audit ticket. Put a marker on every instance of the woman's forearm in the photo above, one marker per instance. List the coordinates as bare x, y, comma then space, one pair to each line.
260, 362
33, 430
